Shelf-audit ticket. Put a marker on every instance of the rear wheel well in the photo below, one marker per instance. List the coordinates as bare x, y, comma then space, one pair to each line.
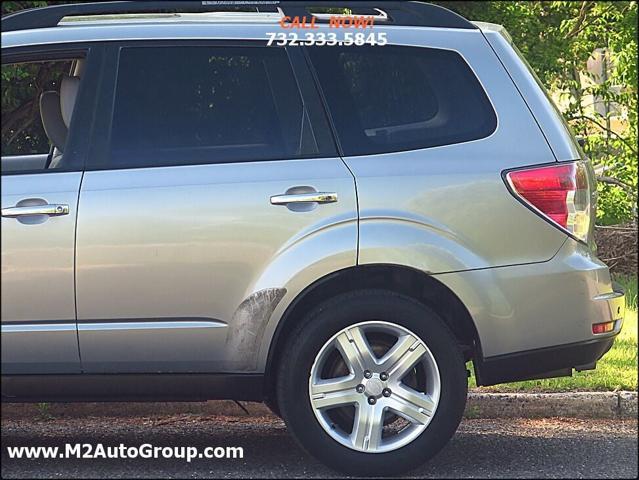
407, 281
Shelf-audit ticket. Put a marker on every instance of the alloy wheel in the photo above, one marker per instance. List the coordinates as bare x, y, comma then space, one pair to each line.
374, 386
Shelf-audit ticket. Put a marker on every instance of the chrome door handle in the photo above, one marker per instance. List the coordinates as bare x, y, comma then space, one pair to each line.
312, 197
51, 210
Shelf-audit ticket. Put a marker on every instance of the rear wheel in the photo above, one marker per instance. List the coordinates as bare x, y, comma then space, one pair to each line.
373, 383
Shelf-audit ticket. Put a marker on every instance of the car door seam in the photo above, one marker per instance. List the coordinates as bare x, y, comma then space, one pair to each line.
75, 270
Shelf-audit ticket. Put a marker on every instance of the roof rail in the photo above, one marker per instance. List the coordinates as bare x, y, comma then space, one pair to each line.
398, 12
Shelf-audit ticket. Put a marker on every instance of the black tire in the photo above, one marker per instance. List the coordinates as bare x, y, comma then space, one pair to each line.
324, 322
272, 406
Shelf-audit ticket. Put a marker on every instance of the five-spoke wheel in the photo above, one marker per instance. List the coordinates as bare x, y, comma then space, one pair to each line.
389, 394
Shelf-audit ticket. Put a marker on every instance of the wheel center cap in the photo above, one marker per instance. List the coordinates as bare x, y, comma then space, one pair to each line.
374, 387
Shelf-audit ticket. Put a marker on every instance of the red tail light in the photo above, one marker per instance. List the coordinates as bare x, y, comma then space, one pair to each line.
603, 327
561, 193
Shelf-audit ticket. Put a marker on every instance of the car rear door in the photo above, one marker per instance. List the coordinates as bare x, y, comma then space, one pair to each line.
219, 160
39, 208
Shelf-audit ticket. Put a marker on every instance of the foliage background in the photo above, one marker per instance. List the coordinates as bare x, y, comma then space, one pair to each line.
557, 38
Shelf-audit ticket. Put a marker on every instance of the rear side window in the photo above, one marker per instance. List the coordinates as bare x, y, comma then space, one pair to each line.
207, 104
391, 98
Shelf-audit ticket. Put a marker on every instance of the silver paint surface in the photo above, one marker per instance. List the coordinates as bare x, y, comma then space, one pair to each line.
525, 307
37, 277
202, 241
555, 128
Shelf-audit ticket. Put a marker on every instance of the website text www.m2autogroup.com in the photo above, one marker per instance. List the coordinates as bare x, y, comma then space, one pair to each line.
121, 451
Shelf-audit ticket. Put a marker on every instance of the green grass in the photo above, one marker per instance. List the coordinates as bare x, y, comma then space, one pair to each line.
629, 284
617, 370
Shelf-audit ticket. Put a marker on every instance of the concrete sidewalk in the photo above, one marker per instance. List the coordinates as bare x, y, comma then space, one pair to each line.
600, 405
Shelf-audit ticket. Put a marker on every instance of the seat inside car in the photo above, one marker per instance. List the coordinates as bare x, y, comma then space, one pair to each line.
56, 111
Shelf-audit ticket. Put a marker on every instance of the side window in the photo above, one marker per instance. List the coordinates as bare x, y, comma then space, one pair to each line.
401, 98
38, 99
207, 104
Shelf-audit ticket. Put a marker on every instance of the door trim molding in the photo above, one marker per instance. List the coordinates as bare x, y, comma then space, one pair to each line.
62, 326
148, 324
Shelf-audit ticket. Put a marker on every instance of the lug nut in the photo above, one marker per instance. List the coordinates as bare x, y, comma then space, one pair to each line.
372, 400
383, 376
367, 374
386, 392
359, 388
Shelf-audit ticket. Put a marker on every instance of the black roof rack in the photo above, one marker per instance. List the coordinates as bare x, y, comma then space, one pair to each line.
399, 13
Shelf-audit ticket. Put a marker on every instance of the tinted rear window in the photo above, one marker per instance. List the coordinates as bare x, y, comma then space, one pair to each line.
391, 98
192, 104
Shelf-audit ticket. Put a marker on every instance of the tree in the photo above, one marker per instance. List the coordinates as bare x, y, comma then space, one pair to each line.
22, 85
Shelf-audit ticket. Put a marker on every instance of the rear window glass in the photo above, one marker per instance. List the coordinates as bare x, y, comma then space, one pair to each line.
192, 104
391, 98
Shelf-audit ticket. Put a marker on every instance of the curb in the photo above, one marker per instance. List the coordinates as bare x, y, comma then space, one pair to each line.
599, 405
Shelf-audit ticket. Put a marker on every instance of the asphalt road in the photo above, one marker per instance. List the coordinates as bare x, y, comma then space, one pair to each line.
515, 448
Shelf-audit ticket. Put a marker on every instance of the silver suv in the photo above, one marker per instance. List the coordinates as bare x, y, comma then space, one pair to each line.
334, 229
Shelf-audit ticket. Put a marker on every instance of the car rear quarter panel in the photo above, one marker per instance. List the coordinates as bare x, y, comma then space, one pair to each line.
447, 209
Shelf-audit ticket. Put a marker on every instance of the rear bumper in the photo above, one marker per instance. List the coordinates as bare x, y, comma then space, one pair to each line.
536, 320
557, 361
542, 363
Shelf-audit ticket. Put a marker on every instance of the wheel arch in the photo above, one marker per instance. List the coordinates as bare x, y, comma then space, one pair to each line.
397, 278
